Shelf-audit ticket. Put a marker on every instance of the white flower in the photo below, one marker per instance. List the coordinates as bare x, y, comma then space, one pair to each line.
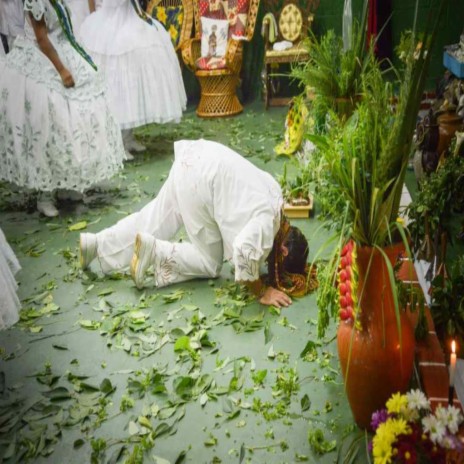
447, 442
309, 147
450, 417
434, 428
417, 400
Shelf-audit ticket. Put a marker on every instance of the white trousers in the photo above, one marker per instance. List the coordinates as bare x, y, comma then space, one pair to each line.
162, 218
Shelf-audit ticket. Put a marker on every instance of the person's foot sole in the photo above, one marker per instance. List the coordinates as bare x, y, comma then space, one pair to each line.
141, 259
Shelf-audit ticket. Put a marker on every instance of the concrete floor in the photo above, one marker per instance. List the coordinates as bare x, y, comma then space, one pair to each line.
78, 329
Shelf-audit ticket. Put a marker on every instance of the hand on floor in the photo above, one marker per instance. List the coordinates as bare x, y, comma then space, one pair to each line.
274, 297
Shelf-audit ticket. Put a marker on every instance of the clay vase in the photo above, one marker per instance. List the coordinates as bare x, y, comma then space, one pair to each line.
376, 360
448, 124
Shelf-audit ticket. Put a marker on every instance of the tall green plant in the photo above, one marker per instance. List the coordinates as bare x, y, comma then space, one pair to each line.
331, 71
369, 157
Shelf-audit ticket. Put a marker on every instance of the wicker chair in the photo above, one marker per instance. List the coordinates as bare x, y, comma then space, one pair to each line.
292, 24
218, 86
176, 16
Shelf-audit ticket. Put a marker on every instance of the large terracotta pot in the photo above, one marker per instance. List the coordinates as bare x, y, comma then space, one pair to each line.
376, 361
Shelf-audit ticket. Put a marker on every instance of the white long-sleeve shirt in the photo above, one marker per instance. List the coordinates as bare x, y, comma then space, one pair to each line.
244, 201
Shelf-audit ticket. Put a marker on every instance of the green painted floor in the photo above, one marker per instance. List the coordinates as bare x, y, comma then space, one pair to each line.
195, 373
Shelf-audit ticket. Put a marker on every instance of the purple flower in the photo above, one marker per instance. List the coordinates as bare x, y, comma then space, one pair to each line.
378, 417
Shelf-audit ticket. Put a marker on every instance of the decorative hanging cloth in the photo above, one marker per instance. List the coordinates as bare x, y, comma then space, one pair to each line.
66, 25
292, 284
143, 14
273, 31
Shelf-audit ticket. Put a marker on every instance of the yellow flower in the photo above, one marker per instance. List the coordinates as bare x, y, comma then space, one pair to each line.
382, 453
399, 427
397, 403
385, 438
161, 15
382, 443
173, 33
180, 18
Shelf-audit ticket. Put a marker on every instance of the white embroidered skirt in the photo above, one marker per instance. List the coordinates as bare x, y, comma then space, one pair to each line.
9, 301
52, 137
141, 68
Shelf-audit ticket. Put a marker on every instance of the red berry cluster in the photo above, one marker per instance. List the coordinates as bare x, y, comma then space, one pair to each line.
347, 281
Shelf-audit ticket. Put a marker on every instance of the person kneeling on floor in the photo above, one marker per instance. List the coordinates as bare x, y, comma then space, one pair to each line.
230, 209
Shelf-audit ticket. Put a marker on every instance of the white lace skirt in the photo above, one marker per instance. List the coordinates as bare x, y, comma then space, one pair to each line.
141, 68
9, 301
52, 137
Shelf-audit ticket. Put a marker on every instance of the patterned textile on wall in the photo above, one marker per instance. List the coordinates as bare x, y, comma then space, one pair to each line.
235, 11
171, 18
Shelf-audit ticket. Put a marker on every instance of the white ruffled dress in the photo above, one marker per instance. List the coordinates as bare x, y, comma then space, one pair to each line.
52, 137
9, 301
79, 11
140, 65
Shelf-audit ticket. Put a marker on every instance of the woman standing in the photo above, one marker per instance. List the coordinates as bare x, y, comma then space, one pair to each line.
11, 21
80, 9
140, 65
56, 128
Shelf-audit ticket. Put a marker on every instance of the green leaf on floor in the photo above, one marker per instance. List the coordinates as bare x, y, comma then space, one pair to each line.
107, 387
78, 226
268, 335
174, 296
182, 344
318, 442
60, 347
305, 403
88, 324
58, 394
310, 349
211, 441
106, 291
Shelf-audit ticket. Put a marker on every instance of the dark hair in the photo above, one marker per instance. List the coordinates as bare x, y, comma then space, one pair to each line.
295, 261
298, 250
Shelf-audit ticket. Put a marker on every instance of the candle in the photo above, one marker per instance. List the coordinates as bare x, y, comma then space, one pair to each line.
452, 363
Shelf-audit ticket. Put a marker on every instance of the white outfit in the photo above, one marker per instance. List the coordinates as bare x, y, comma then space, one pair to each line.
11, 20
79, 11
52, 137
229, 208
141, 67
9, 301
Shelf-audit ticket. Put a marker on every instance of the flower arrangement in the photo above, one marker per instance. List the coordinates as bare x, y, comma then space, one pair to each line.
408, 432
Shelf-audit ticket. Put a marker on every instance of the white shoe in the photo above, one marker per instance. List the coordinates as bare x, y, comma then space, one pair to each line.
70, 195
142, 258
46, 206
87, 249
128, 156
130, 144
135, 146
